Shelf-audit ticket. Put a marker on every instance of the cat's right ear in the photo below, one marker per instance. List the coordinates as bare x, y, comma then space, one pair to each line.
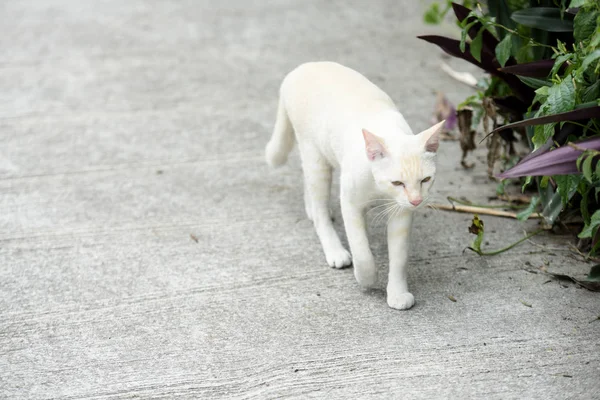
431, 137
374, 146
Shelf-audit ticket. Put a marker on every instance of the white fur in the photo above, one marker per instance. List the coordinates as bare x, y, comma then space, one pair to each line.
342, 120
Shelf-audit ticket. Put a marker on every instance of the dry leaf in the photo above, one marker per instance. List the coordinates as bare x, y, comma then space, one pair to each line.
525, 303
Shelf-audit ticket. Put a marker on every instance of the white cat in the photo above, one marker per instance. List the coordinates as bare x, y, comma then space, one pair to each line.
342, 120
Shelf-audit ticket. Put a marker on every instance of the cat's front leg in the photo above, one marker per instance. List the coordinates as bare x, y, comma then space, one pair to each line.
365, 270
398, 296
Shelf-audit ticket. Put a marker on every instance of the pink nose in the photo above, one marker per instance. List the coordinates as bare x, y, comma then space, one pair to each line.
416, 202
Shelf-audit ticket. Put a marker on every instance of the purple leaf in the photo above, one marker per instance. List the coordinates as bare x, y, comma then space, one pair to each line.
452, 47
512, 104
535, 69
445, 110
575, 115
451, 121
561, 161
488, 63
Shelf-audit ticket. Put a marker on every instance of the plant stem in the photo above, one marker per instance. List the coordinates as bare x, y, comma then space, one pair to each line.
579, 148
502, 250
530, 41
468, 203
479, 210
595, 130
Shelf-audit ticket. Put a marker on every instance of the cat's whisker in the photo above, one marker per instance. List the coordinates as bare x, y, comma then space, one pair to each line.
383, 214
377, 217
399, 209
431, 204
381, 206
392, 212
374, 200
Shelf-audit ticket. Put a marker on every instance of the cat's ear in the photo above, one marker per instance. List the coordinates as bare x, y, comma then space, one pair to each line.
374, 146
431, 137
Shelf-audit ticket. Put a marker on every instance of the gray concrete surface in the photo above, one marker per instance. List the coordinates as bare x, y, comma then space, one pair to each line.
127, 126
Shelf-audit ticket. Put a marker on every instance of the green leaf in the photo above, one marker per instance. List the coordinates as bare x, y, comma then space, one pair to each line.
542, 91
544, 18
590, 58
503, 49
591, 93
517, 4
527, 182
538, 99
432, 15
579, 160
523, 215
584, 25
500, 187
540, 95
560, 60
463, 34
561, 97
476, 228
477, 44
594, 274
595, 42
463, 40
587, 168
566, 186
589, 229
552, 206
576, 3
501, 12
521, 51
540, 136
583, 207
534, 82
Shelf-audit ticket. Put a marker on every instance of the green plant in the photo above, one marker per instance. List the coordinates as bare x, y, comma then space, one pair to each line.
544, 60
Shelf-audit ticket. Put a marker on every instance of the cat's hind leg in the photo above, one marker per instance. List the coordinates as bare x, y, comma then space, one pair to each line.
307, 201
317, 185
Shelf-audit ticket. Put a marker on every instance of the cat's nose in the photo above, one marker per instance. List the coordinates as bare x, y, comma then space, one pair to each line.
416, 202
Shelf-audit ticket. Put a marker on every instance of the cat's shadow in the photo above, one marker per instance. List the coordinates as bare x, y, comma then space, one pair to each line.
376, 292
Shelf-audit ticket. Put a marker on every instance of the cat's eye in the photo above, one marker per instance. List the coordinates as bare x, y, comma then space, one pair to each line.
397, 183
426, 179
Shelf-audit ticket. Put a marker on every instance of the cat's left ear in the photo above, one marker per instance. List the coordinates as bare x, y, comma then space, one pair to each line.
431, 137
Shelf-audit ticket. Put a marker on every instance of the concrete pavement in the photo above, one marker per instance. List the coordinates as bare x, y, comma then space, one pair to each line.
146, 250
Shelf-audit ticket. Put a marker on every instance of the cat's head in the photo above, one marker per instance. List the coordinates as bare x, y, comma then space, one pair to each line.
405, 167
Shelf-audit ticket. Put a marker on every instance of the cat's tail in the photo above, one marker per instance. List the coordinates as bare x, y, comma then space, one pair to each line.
282, 140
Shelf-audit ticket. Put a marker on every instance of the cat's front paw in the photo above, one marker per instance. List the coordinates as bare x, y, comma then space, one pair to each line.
400, 301
365, 273
338, 258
